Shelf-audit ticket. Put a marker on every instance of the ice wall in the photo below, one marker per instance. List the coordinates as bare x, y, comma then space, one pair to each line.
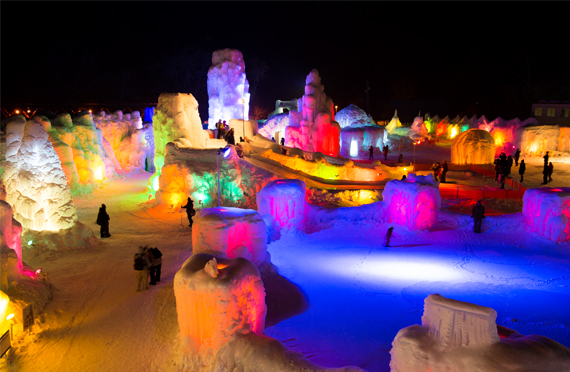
536, 139
357, 141
227, 85
216, 298
313, 128
547, 212
275, 126
10, 247
282, 205
35, 182
245, 129
474, 146
457, 336
413, 202
353, 116
229, 233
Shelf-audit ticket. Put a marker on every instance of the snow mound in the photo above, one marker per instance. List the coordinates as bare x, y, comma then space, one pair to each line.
413, 202
547, 212
474, 146
231, 232
457, 336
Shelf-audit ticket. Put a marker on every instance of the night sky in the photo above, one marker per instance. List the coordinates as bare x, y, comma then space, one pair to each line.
481, 57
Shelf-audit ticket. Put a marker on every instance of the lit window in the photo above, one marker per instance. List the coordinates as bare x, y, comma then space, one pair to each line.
538, 111
551, 111
565, 112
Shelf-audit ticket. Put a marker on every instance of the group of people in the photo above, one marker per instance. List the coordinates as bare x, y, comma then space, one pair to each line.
223, 132
547, 171
439, 171
148, 262
503, 167
384, 152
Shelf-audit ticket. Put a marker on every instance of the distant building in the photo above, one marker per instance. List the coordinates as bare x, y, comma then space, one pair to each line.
552, 112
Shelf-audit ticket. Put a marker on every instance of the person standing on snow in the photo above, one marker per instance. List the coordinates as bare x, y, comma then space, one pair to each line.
478, 213
388, 236
190, 211
517, 157
443, 172
385, 152
522, 169
155, 265
371, 157
550, 170
509, 165
141, 269
103, 221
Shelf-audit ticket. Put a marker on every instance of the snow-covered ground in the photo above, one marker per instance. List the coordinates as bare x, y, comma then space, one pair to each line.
360, 293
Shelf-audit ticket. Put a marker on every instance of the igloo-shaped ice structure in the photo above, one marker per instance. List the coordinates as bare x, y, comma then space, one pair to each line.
353, 116
457, 336
282, 204
413, 202
36, 185
474, 146
547, 212
231, 232
313, 128
357, 141
227, 86
215, 299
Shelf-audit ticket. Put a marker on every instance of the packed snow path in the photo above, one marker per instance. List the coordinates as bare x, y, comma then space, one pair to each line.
360, 293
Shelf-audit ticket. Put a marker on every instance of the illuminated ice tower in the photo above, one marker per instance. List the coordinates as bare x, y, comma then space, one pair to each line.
228, 88
313, 128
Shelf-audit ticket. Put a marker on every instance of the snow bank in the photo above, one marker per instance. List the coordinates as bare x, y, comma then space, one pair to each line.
221, 314
357, 141
35, 183
413, 202
474, 146
547, 212
313, 128
282, 205
227, 86
231, 232
457, 336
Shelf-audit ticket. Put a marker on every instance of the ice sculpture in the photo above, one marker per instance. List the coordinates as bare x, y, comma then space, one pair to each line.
275, 127
394, 123
10, 246
360, 139
353, 116
35, 182
216, 298
547, 211
418, 131
228, 88
457, 336
148, 114
474, 146
536, 139
231, 232
313, 128
413, 202
282, 204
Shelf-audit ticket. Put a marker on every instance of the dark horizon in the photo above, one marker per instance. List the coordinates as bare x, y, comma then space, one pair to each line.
481, 61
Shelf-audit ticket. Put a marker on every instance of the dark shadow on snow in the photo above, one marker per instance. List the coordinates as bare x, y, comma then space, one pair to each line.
407, 245
283, 298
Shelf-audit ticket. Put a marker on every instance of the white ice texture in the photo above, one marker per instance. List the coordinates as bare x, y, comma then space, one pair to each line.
36, 185
547, 212
275, 127
413, 202
474, 146
457, 336
353, 116
282, 205
177, 120
230, 232
357, 141
244, 129
227, 85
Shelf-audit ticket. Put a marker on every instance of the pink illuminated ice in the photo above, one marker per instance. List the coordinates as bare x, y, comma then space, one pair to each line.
283, 203
547, 212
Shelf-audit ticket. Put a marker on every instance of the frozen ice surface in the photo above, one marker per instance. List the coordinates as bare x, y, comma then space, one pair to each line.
474, 146
547, 212
413, 202
227, 85
231, 232
282, 204
457, 336
36, 185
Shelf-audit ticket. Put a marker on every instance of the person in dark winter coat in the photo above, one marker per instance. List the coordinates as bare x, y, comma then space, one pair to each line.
282, 141
443, 172
517, 157
142, 264
388, 236
155, 266
103, 221
230, 139
385, 152
371, 149
509, 165
545, 157
497, 169
522, 169
550, 170
545, 173
502, 177
436, 168
478, 213
190, 211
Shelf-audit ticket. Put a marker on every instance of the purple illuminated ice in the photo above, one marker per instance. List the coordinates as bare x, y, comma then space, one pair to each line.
547, 212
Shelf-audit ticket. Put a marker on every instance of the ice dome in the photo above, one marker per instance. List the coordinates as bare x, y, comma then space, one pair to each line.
353, 116
474, 146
